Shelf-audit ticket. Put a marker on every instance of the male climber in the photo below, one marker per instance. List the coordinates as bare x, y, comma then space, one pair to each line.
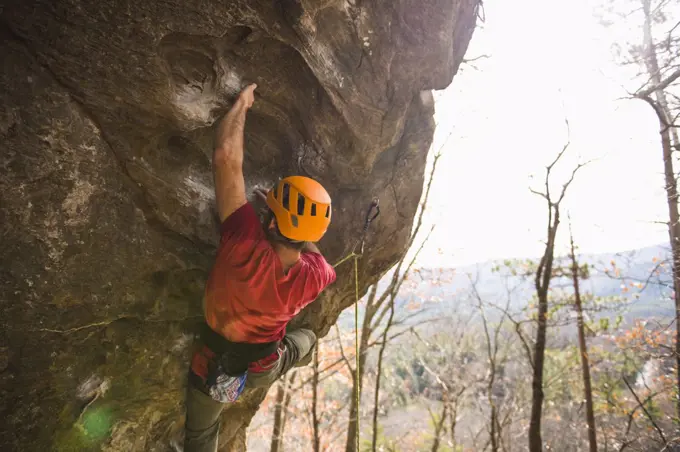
263, 275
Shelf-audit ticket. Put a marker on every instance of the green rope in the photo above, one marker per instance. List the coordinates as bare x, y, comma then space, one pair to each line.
346, 258
369, 219
356, 329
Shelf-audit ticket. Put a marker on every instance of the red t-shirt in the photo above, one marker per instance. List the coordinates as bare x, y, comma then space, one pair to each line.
248, 298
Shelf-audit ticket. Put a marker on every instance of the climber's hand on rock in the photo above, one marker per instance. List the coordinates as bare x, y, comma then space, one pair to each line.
261, 193
247, 96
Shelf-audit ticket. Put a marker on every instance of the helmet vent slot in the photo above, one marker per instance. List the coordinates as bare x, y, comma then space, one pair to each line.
313, 210
300, 204
286, 196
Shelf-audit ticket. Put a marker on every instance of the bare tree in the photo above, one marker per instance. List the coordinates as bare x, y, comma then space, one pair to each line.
277, 434
393, 292
669, 139
316, 440
379, 315
454, 406
283, 396
544, 274
357, 376
495, 360
656, 53
462, 364
626, 440
444, 359
647, 413
585, 364
439, 423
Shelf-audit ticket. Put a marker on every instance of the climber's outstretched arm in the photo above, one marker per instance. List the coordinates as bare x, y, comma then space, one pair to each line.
230, 191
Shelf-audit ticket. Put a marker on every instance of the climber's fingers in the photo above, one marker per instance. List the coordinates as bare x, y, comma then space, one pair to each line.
247, 96
261, 193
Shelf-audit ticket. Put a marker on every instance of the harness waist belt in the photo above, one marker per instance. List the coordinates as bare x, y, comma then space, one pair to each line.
235, 356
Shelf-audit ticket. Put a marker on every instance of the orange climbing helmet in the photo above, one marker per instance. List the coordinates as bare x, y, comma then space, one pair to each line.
302, 208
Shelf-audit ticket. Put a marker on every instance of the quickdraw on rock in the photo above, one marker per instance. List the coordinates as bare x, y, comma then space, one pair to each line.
371, 214
375, 204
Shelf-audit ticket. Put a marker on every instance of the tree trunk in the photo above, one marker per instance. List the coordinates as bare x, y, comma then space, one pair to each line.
535, 442
286, 403
585, 364
491, 349
277, 434
543, 276
439, 426
674, 234
316, 440
378, 376
353, 420
283, 396
493, 432
663, 115
454, 420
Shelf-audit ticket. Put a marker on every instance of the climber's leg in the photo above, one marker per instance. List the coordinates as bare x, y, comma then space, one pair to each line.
305, 341
202, 425
297, 351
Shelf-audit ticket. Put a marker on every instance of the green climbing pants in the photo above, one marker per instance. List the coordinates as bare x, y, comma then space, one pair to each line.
202, 424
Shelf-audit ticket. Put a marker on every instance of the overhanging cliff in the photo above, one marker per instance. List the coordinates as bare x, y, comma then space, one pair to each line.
106, 201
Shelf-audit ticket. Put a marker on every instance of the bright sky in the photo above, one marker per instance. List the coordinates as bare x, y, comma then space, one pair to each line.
548, 59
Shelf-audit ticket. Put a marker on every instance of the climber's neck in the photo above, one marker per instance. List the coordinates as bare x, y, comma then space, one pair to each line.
287, 255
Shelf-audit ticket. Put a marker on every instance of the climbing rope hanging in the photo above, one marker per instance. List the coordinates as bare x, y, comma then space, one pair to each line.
370, 216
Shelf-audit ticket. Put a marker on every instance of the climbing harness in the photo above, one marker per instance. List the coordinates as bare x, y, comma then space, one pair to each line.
370, 216
227, 364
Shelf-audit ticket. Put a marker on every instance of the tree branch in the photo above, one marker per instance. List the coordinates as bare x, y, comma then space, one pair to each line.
649, 416
571, 179
661, 86
657, 109
480, 57
342, 353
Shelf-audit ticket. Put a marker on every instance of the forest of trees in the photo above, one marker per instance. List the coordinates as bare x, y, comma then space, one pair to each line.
556, 367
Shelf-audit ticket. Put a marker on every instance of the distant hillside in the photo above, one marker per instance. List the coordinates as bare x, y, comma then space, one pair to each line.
441, 291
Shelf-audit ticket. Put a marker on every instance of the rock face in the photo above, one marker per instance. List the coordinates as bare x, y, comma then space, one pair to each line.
106, 200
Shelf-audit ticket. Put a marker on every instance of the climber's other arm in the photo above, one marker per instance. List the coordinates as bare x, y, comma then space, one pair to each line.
230, 191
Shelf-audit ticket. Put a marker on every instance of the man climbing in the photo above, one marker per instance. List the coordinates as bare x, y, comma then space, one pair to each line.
263, 275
